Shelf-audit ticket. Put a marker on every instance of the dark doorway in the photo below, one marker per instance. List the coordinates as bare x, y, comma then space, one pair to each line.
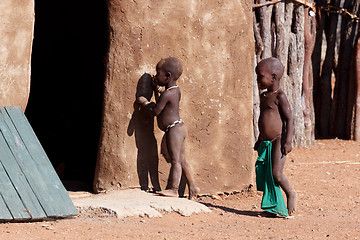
67, 77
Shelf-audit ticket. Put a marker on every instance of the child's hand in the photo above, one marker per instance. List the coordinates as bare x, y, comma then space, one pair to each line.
287, 148
142, 100
156, 87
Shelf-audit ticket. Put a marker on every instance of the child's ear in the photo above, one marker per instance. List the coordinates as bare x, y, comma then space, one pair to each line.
273, 76
168, 75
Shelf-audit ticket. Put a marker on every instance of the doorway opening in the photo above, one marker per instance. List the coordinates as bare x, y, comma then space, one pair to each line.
66, 93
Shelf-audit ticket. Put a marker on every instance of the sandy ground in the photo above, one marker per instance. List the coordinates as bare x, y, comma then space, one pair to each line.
326, 178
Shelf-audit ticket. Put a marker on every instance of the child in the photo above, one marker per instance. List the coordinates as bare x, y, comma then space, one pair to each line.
166, 109
274, 112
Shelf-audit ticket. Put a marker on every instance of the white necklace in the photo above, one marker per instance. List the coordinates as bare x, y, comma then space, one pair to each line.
271, 93
176, 86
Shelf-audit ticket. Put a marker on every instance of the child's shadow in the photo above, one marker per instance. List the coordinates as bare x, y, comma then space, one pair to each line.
241, 212
142, 124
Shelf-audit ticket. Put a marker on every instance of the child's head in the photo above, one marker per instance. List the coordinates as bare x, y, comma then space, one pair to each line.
168, 69
269, 71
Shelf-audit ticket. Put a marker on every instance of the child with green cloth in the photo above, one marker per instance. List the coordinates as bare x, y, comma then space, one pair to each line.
274, 112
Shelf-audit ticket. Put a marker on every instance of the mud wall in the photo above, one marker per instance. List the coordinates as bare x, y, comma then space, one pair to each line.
16, 29
214, 41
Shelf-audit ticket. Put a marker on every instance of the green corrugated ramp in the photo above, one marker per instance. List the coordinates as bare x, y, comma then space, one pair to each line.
29, 186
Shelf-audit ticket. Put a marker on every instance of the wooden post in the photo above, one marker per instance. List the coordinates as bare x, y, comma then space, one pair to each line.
357, 79
325, 90
342, 97
306, 88
316, 64
265, 13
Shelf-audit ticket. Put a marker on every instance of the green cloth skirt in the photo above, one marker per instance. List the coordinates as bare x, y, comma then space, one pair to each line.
273, 200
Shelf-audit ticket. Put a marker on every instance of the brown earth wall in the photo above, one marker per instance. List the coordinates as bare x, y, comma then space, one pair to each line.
214, 41
16, 28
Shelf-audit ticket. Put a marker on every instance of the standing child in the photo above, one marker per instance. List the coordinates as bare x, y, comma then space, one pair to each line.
166, 109
275, 115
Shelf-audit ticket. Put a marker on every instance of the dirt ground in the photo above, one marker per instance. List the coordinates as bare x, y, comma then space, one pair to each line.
326, 178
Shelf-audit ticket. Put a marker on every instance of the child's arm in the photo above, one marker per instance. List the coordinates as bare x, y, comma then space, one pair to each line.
154, 109
286, 115
158, 90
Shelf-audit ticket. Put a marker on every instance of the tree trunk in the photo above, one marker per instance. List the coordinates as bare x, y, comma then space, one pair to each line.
326, 74
309, 33
256, 106
316, 65
259, 46
299, 131
342, 97
265, 13
357, 79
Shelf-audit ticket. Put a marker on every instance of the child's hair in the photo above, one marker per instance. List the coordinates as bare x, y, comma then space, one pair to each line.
275, 65
172, 65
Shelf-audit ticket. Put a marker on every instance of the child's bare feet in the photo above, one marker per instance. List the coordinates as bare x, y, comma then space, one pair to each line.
172, 192
193, 193
291, 203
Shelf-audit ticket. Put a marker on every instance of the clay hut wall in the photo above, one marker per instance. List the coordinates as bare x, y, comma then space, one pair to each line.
16, 28
214, 41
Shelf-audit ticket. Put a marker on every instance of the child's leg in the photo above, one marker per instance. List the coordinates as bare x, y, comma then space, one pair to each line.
193, 190
164, 149
175, 140
278, 166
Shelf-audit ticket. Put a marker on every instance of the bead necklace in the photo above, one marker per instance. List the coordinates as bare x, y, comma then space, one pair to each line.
176, 86
271, 93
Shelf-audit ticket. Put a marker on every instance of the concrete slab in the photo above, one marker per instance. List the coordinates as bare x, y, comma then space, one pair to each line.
136, 203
